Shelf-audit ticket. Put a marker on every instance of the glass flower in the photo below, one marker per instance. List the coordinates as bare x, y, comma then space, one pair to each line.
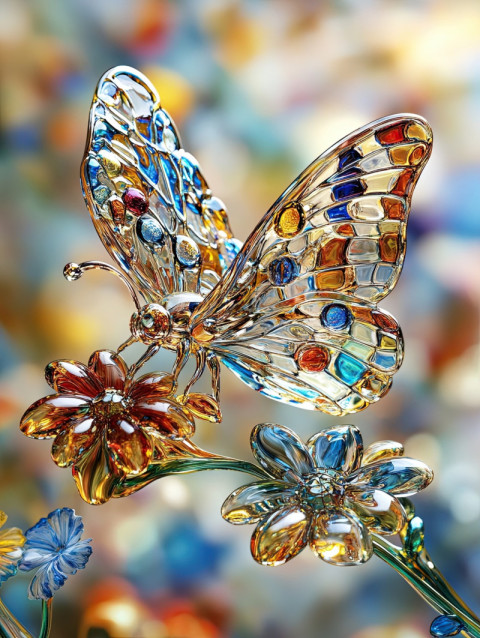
104, 426
12, 541
329, 493
53, 547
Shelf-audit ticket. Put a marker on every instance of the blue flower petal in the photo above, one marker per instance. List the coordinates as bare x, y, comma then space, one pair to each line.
280, 452
33, 558
46, 581
42, 537
68, 527
338, 448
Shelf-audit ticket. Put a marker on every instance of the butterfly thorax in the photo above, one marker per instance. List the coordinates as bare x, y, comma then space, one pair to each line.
166, 322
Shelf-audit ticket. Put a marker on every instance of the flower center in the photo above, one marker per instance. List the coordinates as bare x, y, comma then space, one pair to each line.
109, 403
321, 490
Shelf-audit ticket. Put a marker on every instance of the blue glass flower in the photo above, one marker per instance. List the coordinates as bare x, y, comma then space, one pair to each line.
55, 550
329, 493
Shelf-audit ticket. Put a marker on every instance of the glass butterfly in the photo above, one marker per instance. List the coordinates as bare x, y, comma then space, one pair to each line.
293, 312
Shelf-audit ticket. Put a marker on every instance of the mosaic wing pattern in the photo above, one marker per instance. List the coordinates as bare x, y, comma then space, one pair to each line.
148, 199
295, 317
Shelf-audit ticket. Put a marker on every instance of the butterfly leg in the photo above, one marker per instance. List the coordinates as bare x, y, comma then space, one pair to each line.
183, 353
132, 371
200, 361
214, 367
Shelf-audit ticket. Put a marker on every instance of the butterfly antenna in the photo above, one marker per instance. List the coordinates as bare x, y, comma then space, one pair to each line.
73, 271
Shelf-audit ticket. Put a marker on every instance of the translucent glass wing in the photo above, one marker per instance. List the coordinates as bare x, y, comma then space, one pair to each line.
148, 199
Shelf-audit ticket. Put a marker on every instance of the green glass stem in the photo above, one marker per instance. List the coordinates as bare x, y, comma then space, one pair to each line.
421, 573
417, 568
9, 625
189, 465
46, 618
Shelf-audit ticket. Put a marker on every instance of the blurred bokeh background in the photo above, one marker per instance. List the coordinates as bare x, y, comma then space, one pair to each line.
258, 89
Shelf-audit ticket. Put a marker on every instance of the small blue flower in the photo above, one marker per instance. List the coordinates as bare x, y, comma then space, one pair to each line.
54, 548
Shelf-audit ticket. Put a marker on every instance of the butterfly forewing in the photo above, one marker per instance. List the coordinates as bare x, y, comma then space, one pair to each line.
295, 316
148, 199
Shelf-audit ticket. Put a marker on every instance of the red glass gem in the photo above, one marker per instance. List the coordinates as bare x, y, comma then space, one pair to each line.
135, 201
391, 135
384, 321
312, 358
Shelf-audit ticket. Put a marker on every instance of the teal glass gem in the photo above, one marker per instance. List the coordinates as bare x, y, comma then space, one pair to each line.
348, 369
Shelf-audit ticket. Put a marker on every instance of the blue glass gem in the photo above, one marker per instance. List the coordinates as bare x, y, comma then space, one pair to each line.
348, 157
338, 213
282, 271
150, 231
191, 173
385, 360
336, 316
92, 170
444, 626
348, 369
232, 248
348, 189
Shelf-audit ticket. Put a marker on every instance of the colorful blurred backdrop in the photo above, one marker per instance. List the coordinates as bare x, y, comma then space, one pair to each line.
258, 89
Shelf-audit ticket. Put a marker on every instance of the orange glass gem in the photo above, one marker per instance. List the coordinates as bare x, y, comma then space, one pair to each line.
117, 210
289, 221
312, 358
391, 135
404, 183
384, 321
394, 208
333, 253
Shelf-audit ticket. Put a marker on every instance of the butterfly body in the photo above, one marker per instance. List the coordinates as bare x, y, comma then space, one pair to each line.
293, 311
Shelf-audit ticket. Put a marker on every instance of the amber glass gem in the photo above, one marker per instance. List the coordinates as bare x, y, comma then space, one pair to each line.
289, 221
330, 280
117, 210
135, 201
332, 253
394, 208
312, 358
389, 247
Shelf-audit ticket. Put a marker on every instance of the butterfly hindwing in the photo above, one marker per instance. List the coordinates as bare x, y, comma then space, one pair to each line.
148, 199
295, 316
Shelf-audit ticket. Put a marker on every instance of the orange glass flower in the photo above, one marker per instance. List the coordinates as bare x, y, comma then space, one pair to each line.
105, 426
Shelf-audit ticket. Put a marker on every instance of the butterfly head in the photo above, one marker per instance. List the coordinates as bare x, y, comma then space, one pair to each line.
151, 324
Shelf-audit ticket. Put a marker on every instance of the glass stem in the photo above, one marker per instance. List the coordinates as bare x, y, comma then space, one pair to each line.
9, 625
46, 618
421, 573
418, 570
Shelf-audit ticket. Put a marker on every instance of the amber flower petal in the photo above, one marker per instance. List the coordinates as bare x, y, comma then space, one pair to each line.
280, 536
130, 448
340, 539
109, 367
95, 473
152, 385
47, 417
72, 442
72, 377
166, 416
